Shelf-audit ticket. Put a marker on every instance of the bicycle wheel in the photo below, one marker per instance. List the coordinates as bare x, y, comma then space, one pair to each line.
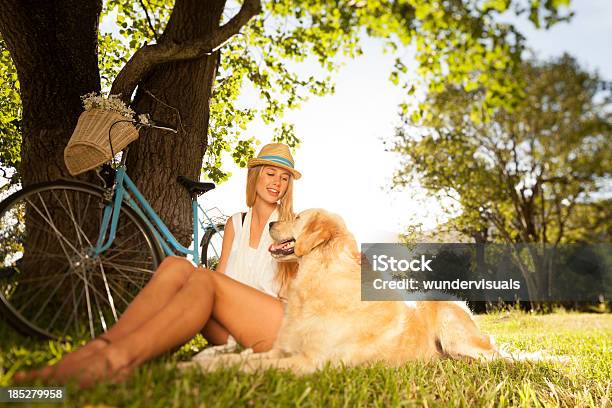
211, 246
50, 285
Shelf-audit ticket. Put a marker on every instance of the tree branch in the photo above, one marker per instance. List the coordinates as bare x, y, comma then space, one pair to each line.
151, 26
150, 56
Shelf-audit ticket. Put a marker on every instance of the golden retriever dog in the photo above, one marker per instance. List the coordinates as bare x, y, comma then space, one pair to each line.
326, 322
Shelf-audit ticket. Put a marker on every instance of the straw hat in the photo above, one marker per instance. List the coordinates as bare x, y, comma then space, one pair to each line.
275, 154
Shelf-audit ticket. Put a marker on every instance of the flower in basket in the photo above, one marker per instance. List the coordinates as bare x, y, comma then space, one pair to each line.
103, 129
111, 103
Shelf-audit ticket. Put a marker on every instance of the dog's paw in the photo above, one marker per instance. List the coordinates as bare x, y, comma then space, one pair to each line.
230, 347
534, 356
208, 364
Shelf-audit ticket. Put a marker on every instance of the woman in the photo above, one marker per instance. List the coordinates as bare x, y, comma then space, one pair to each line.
242, 298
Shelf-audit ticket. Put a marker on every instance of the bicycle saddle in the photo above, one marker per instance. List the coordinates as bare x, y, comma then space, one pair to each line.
194, 187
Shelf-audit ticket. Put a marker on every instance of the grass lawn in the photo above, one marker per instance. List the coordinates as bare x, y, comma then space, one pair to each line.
585, 381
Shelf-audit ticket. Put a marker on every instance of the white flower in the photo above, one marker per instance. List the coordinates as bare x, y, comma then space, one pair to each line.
111, 103
143, 118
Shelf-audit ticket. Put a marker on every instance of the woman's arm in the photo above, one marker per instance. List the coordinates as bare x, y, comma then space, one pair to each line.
226, 247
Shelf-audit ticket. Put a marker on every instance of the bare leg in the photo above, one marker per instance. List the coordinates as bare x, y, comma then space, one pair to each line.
214, 332
169, 278
251, 316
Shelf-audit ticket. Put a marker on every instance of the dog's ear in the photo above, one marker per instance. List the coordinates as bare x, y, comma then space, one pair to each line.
317, 231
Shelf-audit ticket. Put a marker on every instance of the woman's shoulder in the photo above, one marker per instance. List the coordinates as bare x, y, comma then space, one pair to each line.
239, 216
235, 222
231, 229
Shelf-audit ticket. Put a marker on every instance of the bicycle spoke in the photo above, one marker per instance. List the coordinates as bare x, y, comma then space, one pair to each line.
108, 293
118, 291
49, 298
215, 249
118, 246
121, 278
42, 278
75, 308
100, 314
56, 315
83, 215
118, 253
127, 239
57, 233
44, 255
32, 298
127, 278
128, 268
86, 286
79, 231
134, 270
90, 285
123, 284
88, 307
52, 224
67, 212
135, 266
56, 288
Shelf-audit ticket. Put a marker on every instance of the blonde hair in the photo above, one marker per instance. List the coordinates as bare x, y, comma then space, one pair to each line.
286, 270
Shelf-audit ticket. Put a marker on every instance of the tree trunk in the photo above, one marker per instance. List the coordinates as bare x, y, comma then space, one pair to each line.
184, 88
54, 46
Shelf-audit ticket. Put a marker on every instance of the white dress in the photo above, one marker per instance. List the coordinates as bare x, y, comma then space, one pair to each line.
252, 266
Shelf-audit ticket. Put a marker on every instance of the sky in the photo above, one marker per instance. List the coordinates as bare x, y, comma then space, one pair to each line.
342, 157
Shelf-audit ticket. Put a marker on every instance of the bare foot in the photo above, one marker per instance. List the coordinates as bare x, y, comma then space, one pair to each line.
88, 349
110, 363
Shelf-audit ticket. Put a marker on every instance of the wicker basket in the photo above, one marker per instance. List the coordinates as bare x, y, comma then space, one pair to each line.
89, 146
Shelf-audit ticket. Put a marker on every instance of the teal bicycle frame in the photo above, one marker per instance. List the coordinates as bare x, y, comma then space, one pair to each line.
125, 191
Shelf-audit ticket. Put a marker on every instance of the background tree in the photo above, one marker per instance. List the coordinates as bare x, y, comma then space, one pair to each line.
59, 54
537, 174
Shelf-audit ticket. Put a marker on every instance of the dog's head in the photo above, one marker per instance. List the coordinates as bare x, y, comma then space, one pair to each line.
311, 229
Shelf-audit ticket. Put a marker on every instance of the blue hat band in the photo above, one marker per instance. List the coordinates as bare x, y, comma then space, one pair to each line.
277, 159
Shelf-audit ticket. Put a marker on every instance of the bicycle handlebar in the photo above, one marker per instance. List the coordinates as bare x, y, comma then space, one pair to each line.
157, 125
163, 126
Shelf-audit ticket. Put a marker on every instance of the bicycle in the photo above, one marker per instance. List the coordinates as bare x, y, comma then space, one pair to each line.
74, 254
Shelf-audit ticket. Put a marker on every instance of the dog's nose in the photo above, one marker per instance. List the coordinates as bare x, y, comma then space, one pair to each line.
272, 224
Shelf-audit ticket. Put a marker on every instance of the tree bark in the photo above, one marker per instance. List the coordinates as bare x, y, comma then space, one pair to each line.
54, 46
181, 88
